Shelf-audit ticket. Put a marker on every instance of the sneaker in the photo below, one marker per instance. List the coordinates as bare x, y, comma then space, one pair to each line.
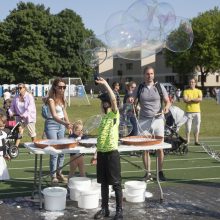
54, 180
161, 176
197, 144
62, 178
118, 215
148, 177
102, 213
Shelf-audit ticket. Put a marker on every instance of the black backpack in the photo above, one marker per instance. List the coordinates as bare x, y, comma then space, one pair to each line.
159, 89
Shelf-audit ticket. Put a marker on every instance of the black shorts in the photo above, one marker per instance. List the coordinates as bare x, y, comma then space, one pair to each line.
108, 168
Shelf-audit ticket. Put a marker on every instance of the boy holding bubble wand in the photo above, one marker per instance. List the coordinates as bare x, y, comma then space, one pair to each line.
107, 155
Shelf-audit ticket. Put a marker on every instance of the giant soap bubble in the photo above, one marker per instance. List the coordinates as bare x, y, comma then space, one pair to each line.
113, 20
154, 42
163, 18
142, 10
123, 38
181, 37
93, 51
142, 30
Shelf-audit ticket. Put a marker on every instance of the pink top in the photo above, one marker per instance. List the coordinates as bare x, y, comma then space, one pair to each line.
29, 113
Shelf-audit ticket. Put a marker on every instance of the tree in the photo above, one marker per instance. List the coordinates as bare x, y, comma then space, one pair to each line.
204, 55
36, 45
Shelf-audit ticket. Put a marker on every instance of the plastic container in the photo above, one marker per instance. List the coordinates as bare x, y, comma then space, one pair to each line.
77, 184
54, 198
80, 181
74, 193
97, 185
89, 199
135, 198
134, 188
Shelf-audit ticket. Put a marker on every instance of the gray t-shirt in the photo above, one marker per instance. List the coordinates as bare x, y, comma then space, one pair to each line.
150, 103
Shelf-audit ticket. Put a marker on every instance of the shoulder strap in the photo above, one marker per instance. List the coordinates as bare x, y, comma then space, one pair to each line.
159, 89
139, 91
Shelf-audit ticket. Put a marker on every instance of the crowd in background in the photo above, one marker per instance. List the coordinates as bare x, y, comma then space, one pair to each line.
21, 105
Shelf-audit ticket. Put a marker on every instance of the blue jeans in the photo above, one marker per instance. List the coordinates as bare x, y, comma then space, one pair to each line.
55, 130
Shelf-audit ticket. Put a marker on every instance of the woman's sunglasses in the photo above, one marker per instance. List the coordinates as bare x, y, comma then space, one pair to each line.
61, 87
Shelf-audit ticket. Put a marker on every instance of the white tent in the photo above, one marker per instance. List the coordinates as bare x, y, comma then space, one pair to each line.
33, 89
39, 90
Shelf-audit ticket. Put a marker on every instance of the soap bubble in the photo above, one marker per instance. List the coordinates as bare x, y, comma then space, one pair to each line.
93, 51
163, 18
181, 37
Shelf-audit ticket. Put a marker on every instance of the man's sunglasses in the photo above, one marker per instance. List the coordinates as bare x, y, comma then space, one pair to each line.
61, 87
20, 88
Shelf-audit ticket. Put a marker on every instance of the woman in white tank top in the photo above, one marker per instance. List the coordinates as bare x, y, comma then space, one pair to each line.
55, 126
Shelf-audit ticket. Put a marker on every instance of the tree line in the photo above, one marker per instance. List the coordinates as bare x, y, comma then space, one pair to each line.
204, 55
36, 45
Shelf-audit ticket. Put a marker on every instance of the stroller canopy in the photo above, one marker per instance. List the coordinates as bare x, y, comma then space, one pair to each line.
178, 116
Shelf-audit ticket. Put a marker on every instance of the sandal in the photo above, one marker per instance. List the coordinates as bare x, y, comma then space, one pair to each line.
62, 178
54, 180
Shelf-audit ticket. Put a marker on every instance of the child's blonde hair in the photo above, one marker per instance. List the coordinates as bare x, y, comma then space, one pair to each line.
76, 124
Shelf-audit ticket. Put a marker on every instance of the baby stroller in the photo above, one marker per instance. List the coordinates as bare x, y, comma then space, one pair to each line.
175, 118
12, 131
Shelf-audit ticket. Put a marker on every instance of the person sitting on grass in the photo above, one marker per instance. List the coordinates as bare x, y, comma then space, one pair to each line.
75, 159
108, 159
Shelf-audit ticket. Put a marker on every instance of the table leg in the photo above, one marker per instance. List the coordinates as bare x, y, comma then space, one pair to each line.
35, 176
39, 184
158, 180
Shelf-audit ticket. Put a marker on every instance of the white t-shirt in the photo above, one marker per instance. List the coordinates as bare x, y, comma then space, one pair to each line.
6, 95
21, 107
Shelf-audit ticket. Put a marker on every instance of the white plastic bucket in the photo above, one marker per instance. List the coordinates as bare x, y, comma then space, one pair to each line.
135, 188
76, 184
54, 198
89, 199
74, 193
97, 185
80, 181
135, 198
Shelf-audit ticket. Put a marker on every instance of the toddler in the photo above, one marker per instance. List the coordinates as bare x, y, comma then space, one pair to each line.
75, 159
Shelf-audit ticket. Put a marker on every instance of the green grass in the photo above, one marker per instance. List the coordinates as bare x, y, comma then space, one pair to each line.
196, 167
210, 113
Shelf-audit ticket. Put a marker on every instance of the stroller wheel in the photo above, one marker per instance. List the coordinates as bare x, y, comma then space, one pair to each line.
13, 151
185, 149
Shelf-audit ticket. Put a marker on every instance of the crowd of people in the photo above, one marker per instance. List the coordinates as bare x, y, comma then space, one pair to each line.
144, 106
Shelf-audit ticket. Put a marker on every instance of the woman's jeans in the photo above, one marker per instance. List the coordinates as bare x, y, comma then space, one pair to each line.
55, 130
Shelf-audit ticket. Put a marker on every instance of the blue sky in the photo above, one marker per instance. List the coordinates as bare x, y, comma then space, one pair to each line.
95, 12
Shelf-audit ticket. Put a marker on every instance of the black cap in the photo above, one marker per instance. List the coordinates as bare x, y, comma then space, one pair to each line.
104, 97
